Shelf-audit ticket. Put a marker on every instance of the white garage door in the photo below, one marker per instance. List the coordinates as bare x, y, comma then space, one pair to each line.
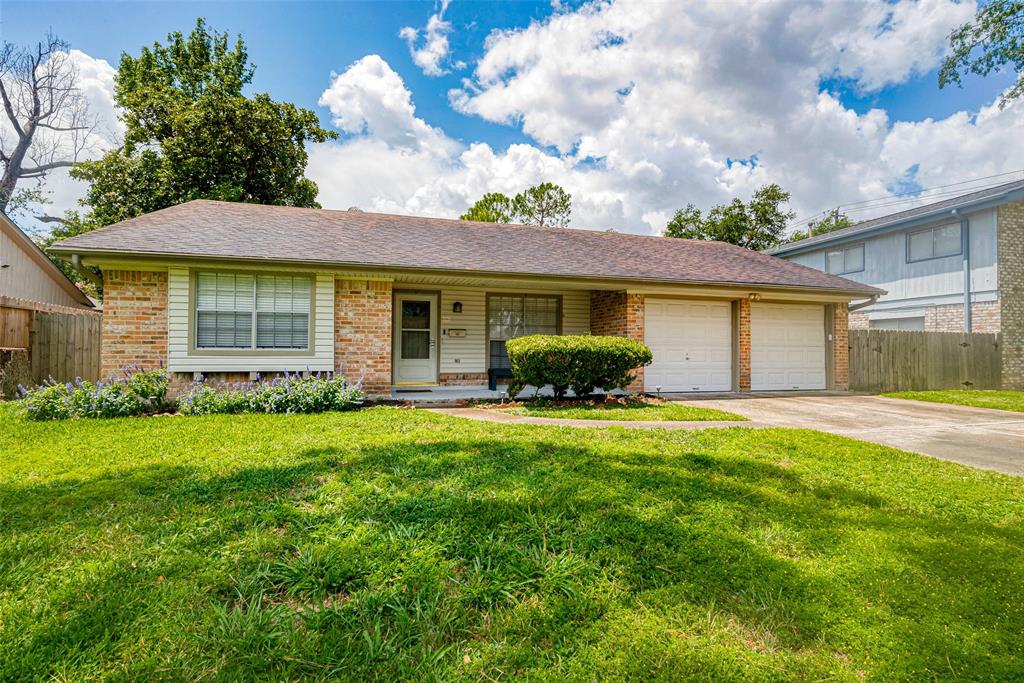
692, 345
787, 347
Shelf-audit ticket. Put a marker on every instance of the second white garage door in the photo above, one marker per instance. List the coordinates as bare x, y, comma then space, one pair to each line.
787, 347
692, 345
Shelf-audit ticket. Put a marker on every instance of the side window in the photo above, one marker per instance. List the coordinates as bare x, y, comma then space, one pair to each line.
845, 260
934, 243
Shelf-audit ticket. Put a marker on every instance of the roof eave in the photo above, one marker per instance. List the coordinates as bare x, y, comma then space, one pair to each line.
43, 261
856, 292
806, 245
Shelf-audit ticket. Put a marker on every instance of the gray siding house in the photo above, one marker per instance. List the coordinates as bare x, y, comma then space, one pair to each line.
950, 266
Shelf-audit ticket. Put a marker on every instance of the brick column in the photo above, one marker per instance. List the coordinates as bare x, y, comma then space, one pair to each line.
743, 349
619, 314
362, 333
134, 330
1010, 225
840, 347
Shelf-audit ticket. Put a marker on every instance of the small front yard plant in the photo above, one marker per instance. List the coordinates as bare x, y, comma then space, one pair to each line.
580, 363
289, 393
136, 392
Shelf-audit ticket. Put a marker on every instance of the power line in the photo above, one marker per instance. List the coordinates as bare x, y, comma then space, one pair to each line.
869, 204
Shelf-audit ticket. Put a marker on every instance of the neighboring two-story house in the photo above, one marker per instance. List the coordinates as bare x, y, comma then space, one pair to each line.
953, 265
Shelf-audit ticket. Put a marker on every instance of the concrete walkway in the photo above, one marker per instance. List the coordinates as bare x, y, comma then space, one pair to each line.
978, 437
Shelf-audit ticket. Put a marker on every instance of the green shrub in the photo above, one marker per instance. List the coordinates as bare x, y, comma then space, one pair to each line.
581, 363
288, 394
139, 392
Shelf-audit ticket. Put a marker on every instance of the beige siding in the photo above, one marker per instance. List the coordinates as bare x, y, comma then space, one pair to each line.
468, 354
24, 278
178, 317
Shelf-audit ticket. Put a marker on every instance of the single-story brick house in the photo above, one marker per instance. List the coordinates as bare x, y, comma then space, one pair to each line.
228, 290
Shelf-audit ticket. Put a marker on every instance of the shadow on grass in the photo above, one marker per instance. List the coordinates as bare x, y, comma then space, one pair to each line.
372, 559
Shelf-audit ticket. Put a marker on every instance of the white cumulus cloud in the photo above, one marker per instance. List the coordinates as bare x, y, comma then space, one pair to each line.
429, 46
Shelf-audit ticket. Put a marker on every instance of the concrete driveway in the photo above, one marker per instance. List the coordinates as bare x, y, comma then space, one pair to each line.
987, 439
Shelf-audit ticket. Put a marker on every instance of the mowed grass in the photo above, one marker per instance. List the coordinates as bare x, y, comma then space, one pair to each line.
628, 411
997, 400
397, 544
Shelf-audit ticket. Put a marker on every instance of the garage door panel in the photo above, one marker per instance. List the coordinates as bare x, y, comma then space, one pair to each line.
691, 343
787, 346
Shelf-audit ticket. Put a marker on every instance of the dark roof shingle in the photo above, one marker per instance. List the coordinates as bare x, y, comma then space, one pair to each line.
211, 229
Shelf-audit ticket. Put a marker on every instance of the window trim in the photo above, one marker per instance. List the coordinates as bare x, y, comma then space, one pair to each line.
195, 351
932, 230
487, 313
844, 248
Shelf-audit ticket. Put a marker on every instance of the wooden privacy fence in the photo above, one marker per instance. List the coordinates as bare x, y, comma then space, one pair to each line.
36, 345
892, 360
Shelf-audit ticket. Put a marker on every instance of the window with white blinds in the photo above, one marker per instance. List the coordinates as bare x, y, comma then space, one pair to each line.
240, 311
510, 316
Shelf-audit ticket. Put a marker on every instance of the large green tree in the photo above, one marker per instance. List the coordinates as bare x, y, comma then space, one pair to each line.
192, 133
992, 40
493, 207
757, 224
544, 205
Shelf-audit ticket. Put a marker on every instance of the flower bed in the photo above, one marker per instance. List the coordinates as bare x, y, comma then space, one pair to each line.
137, 392
317, 393
141, 392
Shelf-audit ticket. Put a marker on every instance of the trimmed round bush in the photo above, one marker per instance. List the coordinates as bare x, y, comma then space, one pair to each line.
582, 363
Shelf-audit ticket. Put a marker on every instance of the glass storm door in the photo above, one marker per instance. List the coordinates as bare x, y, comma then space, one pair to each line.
415, 354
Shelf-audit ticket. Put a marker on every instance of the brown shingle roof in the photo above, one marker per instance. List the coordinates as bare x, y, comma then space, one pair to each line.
227, 230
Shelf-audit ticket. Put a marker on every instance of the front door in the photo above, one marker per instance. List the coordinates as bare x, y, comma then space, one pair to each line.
415, 352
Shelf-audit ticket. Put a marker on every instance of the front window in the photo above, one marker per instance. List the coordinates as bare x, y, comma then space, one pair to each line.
934, 243
845, 260
244, 311
510, 316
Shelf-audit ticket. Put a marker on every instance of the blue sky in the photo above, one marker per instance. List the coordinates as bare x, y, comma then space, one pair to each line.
531, 110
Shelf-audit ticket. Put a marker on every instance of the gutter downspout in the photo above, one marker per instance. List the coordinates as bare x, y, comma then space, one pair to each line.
965, 248
76, 261
863, 304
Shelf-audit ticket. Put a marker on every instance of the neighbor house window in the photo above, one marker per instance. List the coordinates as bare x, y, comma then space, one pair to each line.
241, 311
845, 260
934, 243
510, 316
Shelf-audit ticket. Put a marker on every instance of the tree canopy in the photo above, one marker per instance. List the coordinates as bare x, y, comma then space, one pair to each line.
831, 222
992, 40
191, 133
544, 205
757, 224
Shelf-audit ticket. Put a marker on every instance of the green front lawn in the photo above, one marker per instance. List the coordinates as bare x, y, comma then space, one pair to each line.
997, 400
629, 410
398, 544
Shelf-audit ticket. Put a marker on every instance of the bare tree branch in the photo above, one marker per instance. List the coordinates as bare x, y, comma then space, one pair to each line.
53, 126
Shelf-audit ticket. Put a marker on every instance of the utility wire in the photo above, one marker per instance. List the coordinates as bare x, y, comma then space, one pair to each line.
922, 196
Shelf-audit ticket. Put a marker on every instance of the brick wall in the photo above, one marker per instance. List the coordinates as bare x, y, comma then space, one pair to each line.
743, 345
858, 320
1010, 246
134, 320
619, 314
840, 347
985, 317
463, 379
362, 333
